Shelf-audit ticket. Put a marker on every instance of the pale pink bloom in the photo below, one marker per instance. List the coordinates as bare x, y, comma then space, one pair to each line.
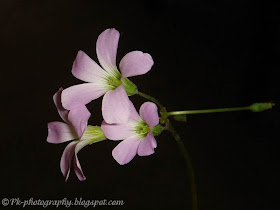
58, 132
106, 80
136, 132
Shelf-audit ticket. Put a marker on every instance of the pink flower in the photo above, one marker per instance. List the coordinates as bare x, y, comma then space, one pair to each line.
106, 80
59, 132
136, 132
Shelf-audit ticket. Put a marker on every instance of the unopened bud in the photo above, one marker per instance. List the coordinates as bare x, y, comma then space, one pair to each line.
259, 107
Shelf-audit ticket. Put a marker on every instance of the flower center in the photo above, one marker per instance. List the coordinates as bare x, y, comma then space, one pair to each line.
113, 82
142, 129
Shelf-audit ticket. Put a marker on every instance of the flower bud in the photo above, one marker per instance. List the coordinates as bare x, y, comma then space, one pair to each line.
259, 107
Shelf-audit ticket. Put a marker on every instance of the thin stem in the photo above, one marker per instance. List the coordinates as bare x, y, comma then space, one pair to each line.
150, 98
189, 165
208, 111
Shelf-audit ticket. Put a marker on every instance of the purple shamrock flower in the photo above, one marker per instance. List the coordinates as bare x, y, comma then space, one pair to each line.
106, 80
59, 132
136, 132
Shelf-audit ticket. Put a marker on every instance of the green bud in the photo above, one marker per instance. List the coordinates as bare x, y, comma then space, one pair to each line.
259, 107
180, 118
129, 86
157, 130
93, 133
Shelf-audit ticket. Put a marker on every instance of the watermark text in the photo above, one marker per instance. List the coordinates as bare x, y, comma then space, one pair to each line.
60, 202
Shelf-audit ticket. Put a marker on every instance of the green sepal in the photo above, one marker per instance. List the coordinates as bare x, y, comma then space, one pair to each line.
93, 133
129, 87
157, 130
180, 118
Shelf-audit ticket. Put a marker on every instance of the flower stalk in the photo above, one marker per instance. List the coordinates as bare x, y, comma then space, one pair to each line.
189, 165
256, 107
150, 98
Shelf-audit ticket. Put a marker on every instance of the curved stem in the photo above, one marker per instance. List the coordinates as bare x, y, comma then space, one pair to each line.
150, 98
189, 165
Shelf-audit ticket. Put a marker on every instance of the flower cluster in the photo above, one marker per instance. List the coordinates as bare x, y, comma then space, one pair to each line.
121, 120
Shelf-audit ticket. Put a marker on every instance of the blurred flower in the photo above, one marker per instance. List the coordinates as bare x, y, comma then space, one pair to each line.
136, 132
75, 122
106, 80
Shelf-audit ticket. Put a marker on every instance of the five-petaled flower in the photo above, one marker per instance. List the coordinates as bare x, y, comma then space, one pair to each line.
75, 123
106, 80
136, 132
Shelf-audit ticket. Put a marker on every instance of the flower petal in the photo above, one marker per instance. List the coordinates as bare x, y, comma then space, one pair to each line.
146, 146
116, 106
82, 94
117, 131
66, 159
59, 132
134, 116
77, 165
106, 49
79, 119
57, 101
149, 113
85, 69
125, 151
136, 63
154, 142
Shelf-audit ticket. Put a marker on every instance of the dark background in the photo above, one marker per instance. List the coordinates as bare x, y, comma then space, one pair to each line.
207, 54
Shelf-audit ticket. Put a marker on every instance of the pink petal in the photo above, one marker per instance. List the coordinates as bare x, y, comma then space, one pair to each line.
77, 165
59, 132
84, 68
125, 151
66, 159
79, 119
154, 142
116, 106
57, 101
82, 94
146, 146
149, 113
117, 131
106, 49
136, 63
134, 116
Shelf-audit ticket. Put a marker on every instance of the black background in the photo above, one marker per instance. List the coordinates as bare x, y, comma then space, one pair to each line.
207, 54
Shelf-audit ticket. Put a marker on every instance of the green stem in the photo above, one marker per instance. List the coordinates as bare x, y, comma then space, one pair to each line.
256, 107
208, 111
150, 98
189, 165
